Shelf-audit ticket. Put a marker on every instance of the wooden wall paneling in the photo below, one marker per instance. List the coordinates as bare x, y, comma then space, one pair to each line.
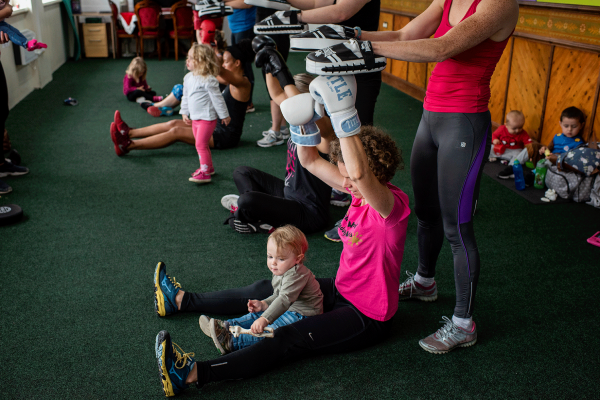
596, 117
499, 85
573, 82
386, 23
527, 82
548, 76
400, 68
417, 74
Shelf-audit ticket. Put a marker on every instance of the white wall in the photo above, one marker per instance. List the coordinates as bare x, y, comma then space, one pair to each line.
47, 23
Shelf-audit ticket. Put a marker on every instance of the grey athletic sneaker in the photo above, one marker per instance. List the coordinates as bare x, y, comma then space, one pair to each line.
449, 337
230, 202
219, 332
410, 289
271, 139
284, 130
204, 323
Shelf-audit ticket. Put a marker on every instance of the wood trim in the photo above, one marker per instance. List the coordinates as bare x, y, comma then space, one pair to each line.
556, 5
559, 42
510, 57
548, 76
398, 12
593, 135
403, 86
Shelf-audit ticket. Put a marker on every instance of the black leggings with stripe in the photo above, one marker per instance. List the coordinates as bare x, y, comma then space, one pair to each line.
447, 160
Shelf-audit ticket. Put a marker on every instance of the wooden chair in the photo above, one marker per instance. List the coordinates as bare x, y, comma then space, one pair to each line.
183, 24
148, 14
120, 33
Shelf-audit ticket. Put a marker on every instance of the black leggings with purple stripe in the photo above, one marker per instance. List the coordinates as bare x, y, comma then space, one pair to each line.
341, 328
446, 164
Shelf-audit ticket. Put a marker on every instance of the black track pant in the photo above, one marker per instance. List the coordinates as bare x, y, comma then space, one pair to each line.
3, 102
341, 328
262, 200
367, 91
133, 96
446, 163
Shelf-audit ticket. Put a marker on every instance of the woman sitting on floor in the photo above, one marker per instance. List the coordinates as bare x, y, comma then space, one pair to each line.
236, 94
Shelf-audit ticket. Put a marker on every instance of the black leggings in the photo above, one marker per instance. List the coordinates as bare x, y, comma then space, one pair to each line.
446, 163
367, 91
262, 199
148, 95
3, 103
341, 328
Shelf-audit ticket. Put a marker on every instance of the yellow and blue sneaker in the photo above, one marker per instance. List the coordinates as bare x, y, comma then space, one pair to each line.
165, 291
174, 365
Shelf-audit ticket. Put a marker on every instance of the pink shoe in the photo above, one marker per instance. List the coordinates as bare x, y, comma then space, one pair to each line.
156, 99
120, 141
154, 111
211, 171
34, 45
200, 177
121, 125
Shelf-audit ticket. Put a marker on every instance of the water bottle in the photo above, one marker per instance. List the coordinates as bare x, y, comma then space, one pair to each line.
519, 178
540, 174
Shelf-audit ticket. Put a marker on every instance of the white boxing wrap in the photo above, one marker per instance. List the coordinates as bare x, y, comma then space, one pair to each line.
338, 94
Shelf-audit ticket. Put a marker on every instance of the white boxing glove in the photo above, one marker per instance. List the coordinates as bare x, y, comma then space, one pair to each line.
338, 94
302, 112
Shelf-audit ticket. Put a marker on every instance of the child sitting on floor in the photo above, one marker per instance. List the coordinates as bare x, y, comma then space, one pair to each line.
135, 86
13, 33
572, 122
296, 294
508, 142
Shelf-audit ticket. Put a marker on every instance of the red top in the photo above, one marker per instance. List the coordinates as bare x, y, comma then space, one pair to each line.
462, 83
130, 85
509, 140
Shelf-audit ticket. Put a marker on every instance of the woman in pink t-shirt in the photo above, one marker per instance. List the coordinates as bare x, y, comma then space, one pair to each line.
359, 304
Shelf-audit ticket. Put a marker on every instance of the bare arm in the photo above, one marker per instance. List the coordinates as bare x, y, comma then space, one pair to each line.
275, 90
6, 11
328, 13
238, 4
493, 19
327, 172
227, 77
377, 194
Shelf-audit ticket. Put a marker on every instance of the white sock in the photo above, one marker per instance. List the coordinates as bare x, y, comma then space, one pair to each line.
465, 323
424, 281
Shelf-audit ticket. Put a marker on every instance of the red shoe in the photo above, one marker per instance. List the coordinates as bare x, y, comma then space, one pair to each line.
121, 125
154, 111
120, 141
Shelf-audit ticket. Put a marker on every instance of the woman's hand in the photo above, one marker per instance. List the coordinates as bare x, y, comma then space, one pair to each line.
186, 119
259, 325
226, 121
255, 306
4, 37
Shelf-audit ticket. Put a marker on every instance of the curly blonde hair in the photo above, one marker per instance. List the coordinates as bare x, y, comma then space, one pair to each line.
137, 69
290, 236
384, 157
205, 60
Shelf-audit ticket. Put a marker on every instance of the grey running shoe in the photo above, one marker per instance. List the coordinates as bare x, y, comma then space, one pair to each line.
271, 139
448, 337
219, 332
285, 132
333, 233
410, 289
204, 323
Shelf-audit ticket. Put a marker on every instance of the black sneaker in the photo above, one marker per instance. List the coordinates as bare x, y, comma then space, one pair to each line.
282, 22
4, 188
281, 5
10, 169
348, 58
323, 36
506, 173
333, 233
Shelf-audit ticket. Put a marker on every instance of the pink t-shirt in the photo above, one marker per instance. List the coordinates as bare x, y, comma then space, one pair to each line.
369, 272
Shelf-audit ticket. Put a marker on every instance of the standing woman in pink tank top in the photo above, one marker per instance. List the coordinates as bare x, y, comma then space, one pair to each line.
452, 142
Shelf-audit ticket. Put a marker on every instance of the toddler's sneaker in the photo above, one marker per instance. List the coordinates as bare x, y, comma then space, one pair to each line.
121, 125
230, 202
165, 291
34, 45
219, 332
156, 99
272, 138
142, 100
200, 176
204, 323
333, 234
449, 337
506, 173
174, 365
411, 289
340, 199
121, 141
10, 169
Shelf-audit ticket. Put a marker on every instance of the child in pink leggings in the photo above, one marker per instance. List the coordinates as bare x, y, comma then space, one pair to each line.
201, 103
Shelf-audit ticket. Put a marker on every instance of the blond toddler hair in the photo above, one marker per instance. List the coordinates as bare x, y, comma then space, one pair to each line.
205, 60
137, 69
290, 236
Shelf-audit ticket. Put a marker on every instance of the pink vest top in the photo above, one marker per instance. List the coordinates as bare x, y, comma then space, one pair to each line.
461, 84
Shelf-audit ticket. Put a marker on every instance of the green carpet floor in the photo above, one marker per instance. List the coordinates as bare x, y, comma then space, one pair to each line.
78, 317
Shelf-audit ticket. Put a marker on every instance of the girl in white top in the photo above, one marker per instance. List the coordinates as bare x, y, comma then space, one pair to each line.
201, 103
